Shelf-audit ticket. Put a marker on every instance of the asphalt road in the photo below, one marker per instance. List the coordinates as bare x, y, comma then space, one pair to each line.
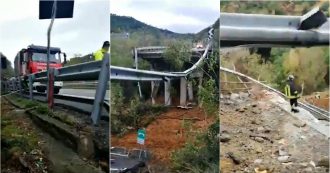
83, 92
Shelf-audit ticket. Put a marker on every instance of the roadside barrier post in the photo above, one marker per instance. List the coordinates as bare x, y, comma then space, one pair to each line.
31, 86
20, 86
50, 91
101, 89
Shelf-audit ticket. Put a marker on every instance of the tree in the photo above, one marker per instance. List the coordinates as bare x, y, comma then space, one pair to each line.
8, 72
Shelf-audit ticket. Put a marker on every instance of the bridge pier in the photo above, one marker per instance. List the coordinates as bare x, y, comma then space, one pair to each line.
167, 87
183, 92
154, 91
190, 91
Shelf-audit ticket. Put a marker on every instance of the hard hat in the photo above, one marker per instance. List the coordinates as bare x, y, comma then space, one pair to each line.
290, 77
106, 44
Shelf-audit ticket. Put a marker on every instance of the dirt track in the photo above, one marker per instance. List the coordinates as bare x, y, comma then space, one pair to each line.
257, 136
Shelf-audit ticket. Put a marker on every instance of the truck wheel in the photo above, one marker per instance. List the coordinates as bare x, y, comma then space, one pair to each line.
41, 90
56, 90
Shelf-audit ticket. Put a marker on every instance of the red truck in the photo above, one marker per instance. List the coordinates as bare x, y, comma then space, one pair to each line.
33, 59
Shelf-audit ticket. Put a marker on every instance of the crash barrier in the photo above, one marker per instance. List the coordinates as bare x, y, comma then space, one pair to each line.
100, 71
320, 113
90, 71
262, 30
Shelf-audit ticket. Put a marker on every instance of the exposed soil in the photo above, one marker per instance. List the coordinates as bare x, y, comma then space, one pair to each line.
258, 136
167, 133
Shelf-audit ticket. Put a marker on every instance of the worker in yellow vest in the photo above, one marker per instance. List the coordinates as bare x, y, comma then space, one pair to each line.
98, 55
292, 94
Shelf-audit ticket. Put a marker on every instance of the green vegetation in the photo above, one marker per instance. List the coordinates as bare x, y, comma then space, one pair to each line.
16, 137
200, 154
141, 34
132, 115
177, 54
8, 72
42, 109
121, 24
310, 66
274, 7
78, 58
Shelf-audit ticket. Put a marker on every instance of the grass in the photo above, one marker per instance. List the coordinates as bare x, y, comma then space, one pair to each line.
16, 138
42, 109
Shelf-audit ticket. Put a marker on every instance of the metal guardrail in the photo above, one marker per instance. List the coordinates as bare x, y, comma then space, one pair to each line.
242, 29
100, 71
96, 70
325, 115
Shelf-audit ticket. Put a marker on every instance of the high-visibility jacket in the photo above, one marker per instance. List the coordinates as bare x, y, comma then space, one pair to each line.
98, 55
290, 90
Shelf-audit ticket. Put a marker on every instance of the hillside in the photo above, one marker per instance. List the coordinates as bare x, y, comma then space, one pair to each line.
128, 24
274, 7
127, 32
310, 66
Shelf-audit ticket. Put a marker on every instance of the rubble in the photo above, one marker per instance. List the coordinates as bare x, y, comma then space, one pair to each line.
266, 138
224, 137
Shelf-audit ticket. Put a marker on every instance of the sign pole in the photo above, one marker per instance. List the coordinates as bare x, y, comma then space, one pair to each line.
141, 136
49, 93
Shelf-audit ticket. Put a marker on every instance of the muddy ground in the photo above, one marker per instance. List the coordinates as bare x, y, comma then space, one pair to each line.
166, 134
257, 136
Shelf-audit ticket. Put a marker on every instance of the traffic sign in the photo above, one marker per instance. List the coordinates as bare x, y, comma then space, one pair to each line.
64, 9
141, 136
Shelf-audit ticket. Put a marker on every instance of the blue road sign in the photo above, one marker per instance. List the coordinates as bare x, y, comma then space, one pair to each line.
141, 136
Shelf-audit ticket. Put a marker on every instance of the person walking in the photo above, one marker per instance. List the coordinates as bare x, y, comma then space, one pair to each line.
292, 94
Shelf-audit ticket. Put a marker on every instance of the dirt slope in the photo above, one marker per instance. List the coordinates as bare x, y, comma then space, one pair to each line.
166, 133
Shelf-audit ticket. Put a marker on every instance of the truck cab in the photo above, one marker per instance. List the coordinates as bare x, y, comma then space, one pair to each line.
33, 59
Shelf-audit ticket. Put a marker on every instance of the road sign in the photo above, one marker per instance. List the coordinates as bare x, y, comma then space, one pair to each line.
141, 136
64, 9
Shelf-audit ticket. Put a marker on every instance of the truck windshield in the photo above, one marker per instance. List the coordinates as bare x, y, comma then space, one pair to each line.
42, 57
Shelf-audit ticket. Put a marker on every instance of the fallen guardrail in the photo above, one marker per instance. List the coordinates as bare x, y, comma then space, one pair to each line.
261, 30
316, 112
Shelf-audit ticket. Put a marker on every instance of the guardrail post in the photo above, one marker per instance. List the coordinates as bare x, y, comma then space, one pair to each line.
183, 91
167, 86
20, 86
14, 84
101, 89
31, 86
50, 89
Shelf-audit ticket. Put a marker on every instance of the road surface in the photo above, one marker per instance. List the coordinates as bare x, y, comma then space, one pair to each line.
83, 92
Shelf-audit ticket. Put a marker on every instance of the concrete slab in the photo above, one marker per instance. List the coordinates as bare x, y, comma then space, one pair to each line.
305, 116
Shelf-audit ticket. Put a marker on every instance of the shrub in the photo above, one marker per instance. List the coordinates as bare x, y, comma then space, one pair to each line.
199, 155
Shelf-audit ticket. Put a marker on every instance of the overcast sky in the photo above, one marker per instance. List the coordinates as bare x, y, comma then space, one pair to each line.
84, 33
182, 16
